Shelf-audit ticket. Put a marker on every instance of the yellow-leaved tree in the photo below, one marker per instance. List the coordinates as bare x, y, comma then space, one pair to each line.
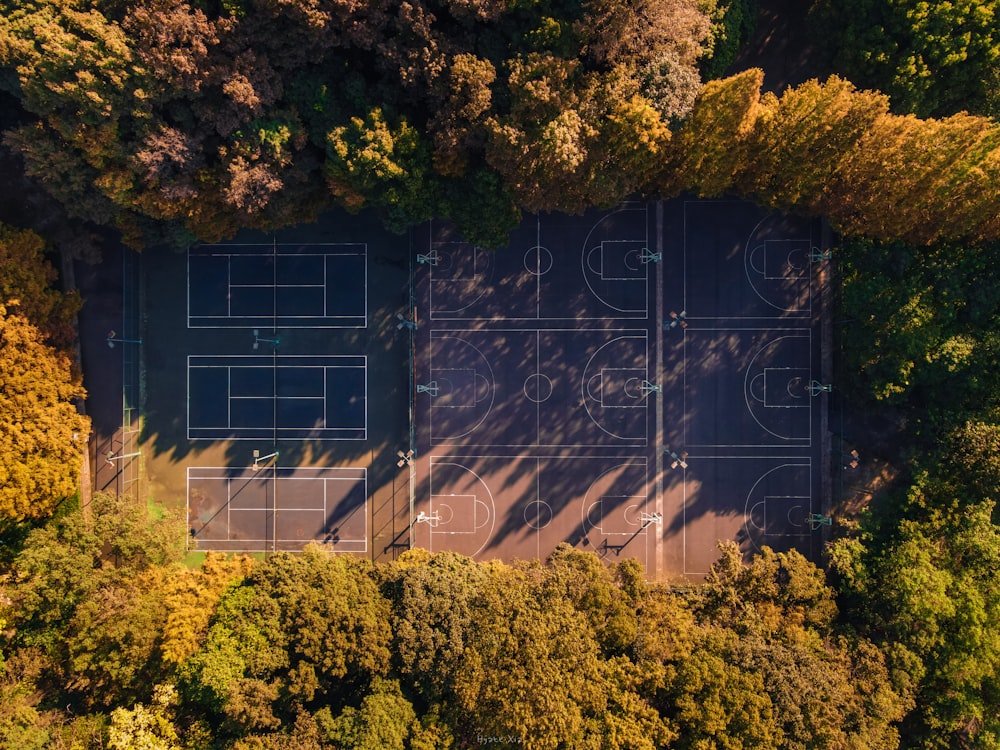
41, 432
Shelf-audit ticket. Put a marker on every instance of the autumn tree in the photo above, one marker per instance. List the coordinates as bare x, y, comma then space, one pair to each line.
27, 282
712, 149
41, 432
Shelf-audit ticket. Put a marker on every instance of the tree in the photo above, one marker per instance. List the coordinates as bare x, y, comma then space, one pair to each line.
907, 179
41, 433
111, 650
712, 148
384, 721
146, 728
530, 667
190, 597
717, 704
433, 614
799, 140
929, 587
775, 590
372, 162
638, 31
299, 629
26, 284
932, 59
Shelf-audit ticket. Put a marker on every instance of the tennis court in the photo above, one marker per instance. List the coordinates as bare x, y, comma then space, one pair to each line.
272, 286
258, 381
269, 508
279, 397
642, 382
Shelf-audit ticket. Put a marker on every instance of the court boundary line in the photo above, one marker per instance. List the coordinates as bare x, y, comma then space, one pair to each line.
275, 473
492, 508
454, 316
270, 365
275, 246
608, 337
802, 460
803, 280
804, 315
802, 333
457, 460
746, 502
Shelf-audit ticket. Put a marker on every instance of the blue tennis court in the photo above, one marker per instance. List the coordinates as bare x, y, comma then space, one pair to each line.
277, 286
241, 397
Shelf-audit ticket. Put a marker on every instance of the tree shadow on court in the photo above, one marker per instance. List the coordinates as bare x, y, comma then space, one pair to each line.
375, 407
770, 323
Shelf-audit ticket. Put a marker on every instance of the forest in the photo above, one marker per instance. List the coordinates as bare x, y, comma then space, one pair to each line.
167, 120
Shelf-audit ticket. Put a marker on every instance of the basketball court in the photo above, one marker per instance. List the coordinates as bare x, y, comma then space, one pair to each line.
642, 382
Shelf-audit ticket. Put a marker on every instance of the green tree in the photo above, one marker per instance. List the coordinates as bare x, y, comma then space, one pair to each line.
929, 586
189, 598
146, 728
372, 161
384, 721
717, 704
299, 629
932, 59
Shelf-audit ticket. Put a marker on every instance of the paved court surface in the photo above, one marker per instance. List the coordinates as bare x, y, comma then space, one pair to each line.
642, 382
276, 388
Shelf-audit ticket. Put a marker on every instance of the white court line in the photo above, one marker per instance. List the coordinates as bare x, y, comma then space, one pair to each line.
286, 361
747, 507
633, 334
796, 281
585, 382
625, 314
492, 382
686, 303
588, 247
279, 250
357, 475
801, 333
746, 385
481, 286
491, 509
793, 462
588, 502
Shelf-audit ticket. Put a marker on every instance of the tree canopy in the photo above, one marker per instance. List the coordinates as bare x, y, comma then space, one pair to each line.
41, 432
931, 58
324, 651
260, 114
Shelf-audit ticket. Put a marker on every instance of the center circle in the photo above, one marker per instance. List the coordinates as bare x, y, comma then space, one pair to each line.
537, 514
538, 260
537, 388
